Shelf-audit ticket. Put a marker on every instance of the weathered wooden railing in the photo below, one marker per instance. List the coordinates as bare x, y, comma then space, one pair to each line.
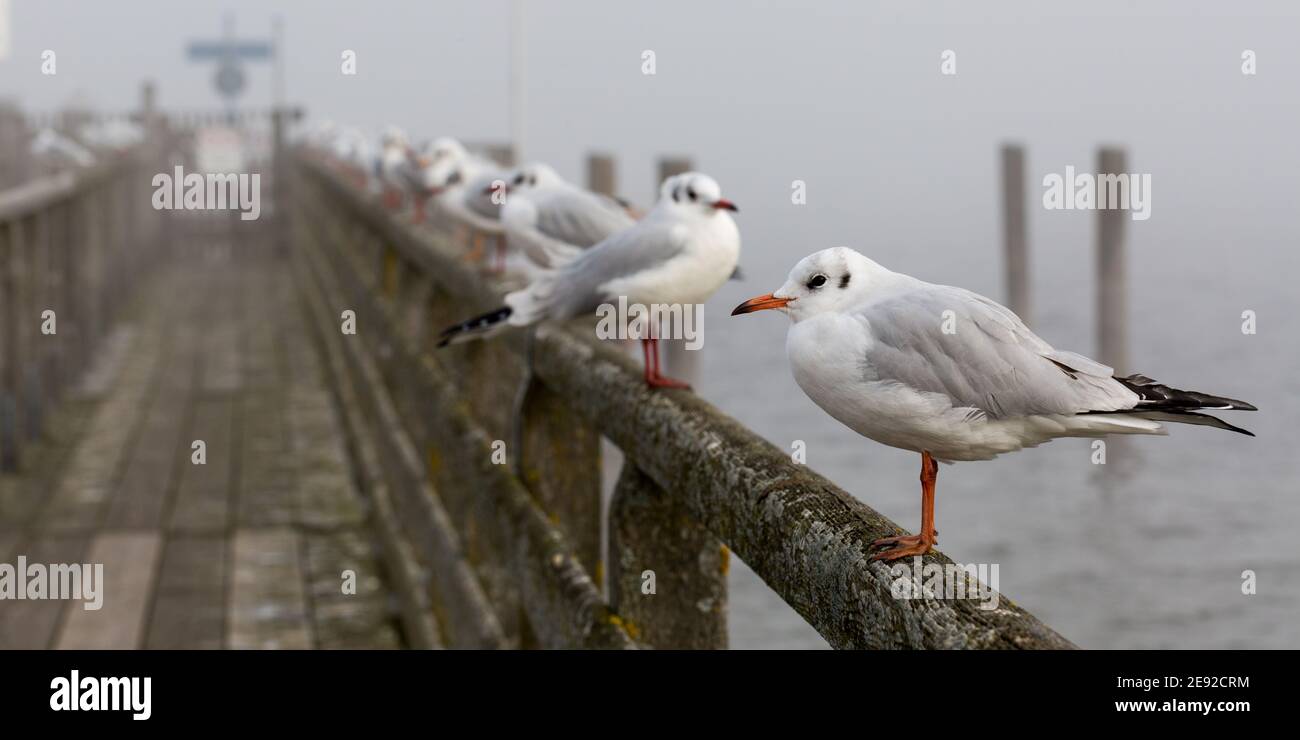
508, 551
70, 244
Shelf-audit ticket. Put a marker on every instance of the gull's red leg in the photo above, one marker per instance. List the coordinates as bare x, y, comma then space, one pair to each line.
656, 380
915, 544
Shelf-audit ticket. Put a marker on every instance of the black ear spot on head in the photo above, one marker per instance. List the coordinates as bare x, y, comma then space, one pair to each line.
677, 192
844, 281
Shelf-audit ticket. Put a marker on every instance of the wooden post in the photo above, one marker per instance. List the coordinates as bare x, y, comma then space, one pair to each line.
653, 539
1112, 285
10, 346
1016, 249
560, 465
31, 395
602, 176
678, 361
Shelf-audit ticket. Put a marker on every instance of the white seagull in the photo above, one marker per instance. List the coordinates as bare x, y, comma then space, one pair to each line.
463, 185
59, 150
679, 254
394, 155
951, 374
552, 220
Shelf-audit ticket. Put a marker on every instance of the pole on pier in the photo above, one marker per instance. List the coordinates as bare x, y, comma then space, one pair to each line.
1015, 244
602, 175
680, 362
1112, 285
516, 81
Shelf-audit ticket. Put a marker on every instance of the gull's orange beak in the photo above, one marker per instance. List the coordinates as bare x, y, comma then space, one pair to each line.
494, 187
724, 204
761, 303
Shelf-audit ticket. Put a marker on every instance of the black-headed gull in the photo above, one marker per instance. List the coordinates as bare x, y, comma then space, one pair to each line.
461, 184
552, 220
389, 166
60, 151
951, 374
679, 254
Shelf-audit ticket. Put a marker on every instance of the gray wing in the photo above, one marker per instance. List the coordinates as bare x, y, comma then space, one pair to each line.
990, 360
579, 285
580, 218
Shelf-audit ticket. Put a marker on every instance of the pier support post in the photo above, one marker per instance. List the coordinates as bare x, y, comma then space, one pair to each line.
1112, 284
678, 361
560, 466
1015, 244
10, 345
602, 174
653, 540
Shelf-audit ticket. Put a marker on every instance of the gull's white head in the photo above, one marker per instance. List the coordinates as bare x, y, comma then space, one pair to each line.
536, 175
393, 137
441, 160
830, 280
693, 193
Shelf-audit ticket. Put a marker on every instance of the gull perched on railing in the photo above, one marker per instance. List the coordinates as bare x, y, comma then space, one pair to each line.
461, 184
552, 220
951, 374
59, 150
394, 155
684, 249
352, 152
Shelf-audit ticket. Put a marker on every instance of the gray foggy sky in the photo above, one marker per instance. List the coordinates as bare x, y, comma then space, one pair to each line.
900, 161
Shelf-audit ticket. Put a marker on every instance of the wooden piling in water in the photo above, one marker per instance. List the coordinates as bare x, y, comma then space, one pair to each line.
1015, 243
1112, 283
602, 174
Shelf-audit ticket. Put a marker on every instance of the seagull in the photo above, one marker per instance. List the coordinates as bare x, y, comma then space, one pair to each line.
394, 154
463, 185
351, 150
951, 374
59, 150
680, 253
552, 221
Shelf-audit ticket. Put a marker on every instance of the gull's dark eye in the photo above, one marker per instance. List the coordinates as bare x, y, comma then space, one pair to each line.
690, 193
817, 281
519, 179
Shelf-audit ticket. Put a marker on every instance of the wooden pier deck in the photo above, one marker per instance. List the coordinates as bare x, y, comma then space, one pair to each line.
245, 551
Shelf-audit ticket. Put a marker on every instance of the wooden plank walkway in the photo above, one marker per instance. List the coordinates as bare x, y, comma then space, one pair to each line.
247, 550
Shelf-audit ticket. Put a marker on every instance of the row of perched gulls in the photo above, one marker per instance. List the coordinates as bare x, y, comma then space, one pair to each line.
538, 220
55, 150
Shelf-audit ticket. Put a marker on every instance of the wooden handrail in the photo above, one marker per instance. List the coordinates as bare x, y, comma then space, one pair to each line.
695, 477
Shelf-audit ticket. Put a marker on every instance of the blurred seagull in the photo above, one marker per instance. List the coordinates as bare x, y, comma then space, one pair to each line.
552, 221
680, 253
351, 152
59, 150
394, 155
464, 186
951, 374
